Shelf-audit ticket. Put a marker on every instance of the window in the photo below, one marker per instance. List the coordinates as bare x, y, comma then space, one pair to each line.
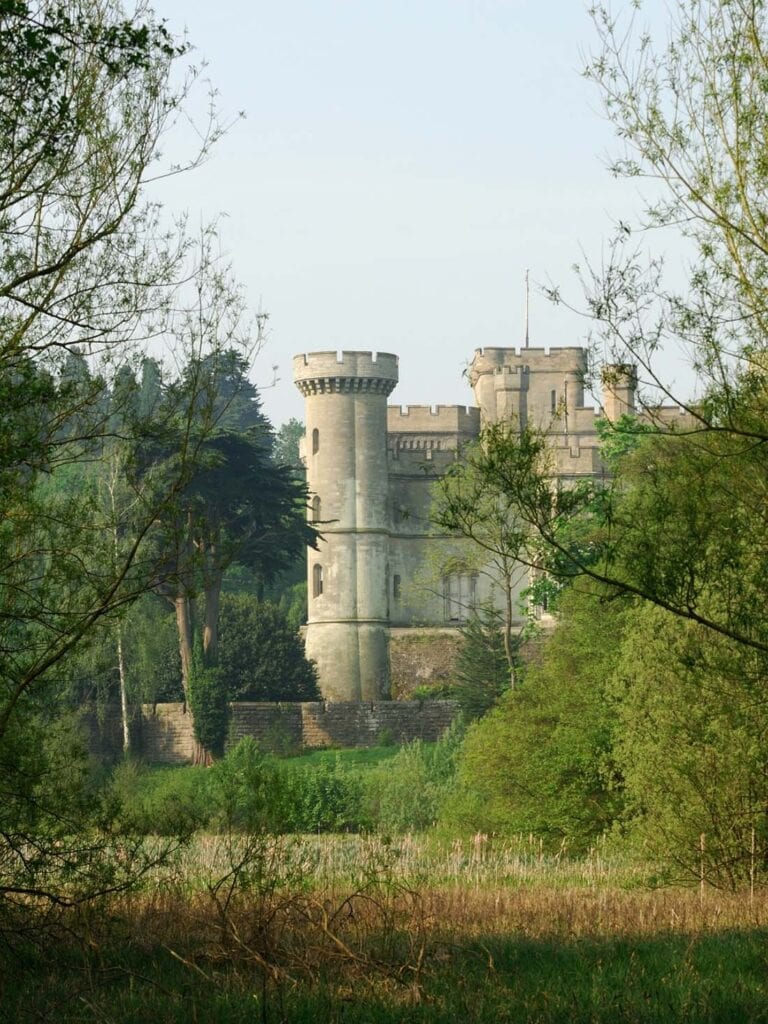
553, 401
316, 509
317, 580
459, 596
315, 441
396, 587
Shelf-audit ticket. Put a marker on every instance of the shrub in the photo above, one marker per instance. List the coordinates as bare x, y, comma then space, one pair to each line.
160, 801
407, 793
330, 798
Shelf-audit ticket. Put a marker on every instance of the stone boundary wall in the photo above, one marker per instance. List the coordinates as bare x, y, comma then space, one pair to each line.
162, 733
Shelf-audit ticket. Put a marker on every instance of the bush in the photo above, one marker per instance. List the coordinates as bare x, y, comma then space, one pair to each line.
160, 801
408, 792
246, 792
330, 798
542, 762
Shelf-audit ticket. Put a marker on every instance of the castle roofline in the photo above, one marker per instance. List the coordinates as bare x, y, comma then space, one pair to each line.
518, 351
331, 363
433, 419
331, 372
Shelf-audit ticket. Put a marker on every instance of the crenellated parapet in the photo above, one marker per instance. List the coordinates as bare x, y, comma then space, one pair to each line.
493, 360
333, 373
433, 419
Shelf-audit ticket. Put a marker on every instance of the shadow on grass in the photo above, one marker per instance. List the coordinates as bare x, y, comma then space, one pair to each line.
714, 978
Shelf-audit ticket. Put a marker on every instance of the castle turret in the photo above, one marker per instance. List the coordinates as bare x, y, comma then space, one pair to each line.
528, 386
346, 457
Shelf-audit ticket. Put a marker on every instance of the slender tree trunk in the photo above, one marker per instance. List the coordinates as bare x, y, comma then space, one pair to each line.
183, 608
509, 647
112, 487
123, 689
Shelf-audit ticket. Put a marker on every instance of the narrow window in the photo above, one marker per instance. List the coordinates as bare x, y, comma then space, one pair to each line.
316, 509
553, 401
396, 587
472, 592
315, 441
317, 580
452, 598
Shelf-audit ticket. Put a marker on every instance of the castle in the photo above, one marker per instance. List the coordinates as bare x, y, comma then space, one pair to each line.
371, 469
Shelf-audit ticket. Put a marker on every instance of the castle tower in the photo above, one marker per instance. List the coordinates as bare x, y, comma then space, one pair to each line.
529, 386
346, 458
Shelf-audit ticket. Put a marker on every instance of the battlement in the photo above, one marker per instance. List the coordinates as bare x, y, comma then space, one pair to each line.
568, 359
420, 459
433, 419
316, 373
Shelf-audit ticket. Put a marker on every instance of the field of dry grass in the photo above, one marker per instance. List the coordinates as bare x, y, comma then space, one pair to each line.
336, 929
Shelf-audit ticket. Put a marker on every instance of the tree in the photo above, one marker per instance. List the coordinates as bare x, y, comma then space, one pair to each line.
692, 118
86, 272
542, 760
690, 747
261, 654
237, 506
287, 441
481, 667
467, 503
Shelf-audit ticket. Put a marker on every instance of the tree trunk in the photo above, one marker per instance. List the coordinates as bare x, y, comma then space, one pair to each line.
201, 756
123, 690
211, 620
183, 608
509, 648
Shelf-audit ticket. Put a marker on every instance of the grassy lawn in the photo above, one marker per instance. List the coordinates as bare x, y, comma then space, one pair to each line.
351, 758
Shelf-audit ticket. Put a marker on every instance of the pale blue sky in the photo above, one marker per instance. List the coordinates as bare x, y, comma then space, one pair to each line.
400, 166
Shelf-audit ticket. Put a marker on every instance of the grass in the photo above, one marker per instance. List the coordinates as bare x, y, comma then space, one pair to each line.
349, 929
351, 757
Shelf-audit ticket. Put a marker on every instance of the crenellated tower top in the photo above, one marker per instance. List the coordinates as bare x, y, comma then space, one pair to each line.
322, 373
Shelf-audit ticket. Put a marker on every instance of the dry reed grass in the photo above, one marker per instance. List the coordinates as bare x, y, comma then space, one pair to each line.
477, 861
463, 929
458, 890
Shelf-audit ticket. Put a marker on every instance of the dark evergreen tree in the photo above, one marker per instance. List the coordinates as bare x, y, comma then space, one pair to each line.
261, 655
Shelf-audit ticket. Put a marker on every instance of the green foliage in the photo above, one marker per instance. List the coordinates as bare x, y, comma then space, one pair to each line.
470, 503
244, 791
293, 603
261, 654
482, 670
386, 789
408, 793
287, 440
693, 717
619, 438
163, 802
208, 703
152, 663
152, 652
541, 762
328, 799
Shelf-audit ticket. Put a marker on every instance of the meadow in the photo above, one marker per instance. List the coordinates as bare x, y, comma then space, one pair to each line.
242, 925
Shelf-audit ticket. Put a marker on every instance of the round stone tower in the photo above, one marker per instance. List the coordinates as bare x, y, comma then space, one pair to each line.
346, 456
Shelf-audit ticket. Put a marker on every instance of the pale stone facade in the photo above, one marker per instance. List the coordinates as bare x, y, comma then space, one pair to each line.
371, 468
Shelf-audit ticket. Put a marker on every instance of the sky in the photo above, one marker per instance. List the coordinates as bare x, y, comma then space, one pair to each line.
400, 166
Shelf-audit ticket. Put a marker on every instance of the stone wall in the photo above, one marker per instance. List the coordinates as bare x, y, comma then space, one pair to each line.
421, 657
162, 733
